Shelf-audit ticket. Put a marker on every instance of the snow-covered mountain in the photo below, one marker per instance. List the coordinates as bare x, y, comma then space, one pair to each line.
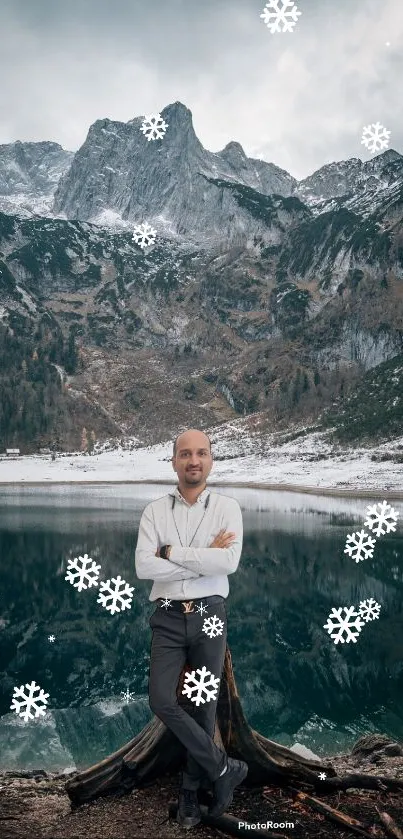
118, 178
259, 293
361, 187
29, 175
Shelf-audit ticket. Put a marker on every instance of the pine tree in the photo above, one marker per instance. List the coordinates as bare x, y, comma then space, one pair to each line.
296, 391
71, 355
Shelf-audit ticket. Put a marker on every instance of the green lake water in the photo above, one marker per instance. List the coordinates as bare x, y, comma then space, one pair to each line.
294, 682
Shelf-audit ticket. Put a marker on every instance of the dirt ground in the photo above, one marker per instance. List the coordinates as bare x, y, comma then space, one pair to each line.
36, 806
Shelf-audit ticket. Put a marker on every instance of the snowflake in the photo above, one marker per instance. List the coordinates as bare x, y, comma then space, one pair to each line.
360, 548
322, 776
87, 576
125, 694
151, 129
142, 233
165, 603
375, 137
288, 9
345, 624
202, 685
369, 609
215, 628
201, 608
115, 595
380, 517
51, 638
30, 702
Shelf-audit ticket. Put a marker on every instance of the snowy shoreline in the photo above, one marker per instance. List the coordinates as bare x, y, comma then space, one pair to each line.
308, 465
343, 493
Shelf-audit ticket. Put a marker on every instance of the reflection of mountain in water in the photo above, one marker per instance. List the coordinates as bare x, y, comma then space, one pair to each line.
75, 738
294, 682
69, 738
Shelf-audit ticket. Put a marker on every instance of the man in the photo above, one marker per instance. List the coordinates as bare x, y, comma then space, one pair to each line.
190, 585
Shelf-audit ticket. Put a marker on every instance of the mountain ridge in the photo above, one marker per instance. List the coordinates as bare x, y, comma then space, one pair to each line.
117, 178
246, 302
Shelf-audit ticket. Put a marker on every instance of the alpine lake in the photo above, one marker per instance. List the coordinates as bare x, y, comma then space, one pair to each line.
295, 683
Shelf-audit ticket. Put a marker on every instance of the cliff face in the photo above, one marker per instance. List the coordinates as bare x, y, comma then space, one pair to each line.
29, 174
351, 181
249, 300
172, 183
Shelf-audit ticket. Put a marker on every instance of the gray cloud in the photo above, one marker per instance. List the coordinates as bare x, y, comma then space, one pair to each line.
299, 99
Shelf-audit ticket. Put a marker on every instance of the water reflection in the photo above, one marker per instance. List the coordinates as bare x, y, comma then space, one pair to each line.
294, 682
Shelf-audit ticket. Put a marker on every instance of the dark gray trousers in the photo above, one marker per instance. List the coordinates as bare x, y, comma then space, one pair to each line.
179, 638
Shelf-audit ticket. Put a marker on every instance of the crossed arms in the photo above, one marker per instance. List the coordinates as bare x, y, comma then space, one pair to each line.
186, 563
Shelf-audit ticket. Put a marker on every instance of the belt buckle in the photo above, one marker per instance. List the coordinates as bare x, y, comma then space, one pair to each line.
187, 604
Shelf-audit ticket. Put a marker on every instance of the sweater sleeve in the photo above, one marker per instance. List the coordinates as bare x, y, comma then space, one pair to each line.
212, 562
151, 567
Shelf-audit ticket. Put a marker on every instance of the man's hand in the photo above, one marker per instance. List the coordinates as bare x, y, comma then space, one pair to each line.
157, 553
223, 539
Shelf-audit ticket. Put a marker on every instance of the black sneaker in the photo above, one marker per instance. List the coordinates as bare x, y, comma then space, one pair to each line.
224, 786
188, 814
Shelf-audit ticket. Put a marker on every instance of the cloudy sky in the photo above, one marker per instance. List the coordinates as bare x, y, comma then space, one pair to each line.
299, 99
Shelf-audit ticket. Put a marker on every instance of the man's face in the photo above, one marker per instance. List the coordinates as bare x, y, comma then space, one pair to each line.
193, 462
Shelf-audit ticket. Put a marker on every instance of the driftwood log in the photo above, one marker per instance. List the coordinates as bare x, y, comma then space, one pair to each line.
155, 751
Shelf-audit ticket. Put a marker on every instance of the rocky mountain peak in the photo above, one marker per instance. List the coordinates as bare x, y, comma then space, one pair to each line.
178, 116
179, 120
172, 183
383, 159
385, 167
350, 178
232, 149
119, 178
29, 173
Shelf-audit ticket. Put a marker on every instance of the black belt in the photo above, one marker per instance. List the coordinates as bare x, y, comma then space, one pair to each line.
187, 606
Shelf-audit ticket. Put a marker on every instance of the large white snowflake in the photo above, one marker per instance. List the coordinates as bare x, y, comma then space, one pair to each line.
361, 545
144, 235
381, 517
208, 686
121, 593
213, 626
154, 127
350, 622
287, 13
369, 609
24, 702
83, 572
375, 137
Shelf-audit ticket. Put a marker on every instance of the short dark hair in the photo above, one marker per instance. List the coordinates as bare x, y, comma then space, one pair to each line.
184, 432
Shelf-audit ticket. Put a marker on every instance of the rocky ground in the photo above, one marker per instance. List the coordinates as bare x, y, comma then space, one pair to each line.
35, 804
